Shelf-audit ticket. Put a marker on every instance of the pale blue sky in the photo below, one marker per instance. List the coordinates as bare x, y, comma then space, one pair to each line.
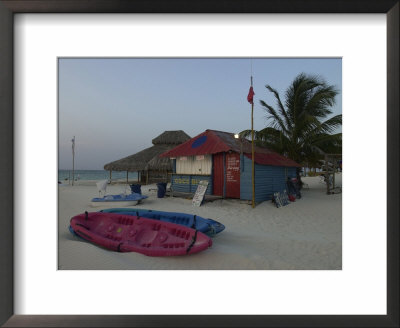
115, 107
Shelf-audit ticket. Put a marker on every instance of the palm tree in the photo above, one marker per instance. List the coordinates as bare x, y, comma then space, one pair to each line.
299, 127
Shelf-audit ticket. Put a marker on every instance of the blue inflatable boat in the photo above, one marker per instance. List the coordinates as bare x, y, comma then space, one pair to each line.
118, 200
207, 226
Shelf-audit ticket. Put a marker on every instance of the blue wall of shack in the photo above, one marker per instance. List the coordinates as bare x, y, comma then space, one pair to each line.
268, 179
188, 183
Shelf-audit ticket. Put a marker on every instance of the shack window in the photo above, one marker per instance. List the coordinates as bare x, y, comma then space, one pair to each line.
194, 165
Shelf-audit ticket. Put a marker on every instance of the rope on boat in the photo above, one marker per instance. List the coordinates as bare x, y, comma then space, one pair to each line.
194, 237
194, 222
193, 242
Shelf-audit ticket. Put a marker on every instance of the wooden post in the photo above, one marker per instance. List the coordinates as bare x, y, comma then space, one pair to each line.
73, 160
327, 174
110, 175
252, 151
127, 181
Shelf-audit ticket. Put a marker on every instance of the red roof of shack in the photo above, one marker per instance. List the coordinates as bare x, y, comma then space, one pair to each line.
212, 142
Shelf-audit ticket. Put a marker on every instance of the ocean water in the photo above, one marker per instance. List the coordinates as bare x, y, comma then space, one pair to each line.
65, 175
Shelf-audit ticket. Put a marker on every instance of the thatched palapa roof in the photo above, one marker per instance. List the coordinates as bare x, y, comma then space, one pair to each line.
148, 159
171, 138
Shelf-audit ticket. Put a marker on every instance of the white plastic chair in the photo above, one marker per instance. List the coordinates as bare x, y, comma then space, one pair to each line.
102, 186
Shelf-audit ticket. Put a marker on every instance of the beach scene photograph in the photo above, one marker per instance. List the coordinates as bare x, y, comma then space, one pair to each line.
199, 164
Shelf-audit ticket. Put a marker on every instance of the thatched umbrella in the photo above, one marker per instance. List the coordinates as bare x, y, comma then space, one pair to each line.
148, 159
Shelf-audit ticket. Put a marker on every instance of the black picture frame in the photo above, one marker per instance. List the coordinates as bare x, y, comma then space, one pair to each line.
10, 7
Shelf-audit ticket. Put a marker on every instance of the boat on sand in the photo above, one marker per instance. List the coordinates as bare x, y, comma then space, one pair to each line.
127, 233
207, 226
118, 200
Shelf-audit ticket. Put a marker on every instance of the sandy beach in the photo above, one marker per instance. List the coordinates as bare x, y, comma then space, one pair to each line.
304, 235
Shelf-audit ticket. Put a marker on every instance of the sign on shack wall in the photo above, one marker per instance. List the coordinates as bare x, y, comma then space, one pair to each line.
200, 192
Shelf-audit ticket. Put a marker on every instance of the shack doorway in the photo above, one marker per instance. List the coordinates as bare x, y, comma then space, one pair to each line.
218, 174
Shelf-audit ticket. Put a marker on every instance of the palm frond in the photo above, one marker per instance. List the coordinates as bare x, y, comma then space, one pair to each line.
282, 110
245, 134
327, 126
320, 101
275, 120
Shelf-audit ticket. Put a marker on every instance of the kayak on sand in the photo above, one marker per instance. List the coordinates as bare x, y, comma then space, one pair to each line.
128, 233
207, 226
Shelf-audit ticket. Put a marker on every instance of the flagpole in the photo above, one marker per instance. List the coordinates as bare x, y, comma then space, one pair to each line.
252, 149
73, 160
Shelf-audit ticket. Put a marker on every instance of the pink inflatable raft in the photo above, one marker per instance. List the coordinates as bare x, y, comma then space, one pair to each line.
126, 233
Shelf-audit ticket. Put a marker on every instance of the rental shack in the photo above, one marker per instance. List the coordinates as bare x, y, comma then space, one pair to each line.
225, 162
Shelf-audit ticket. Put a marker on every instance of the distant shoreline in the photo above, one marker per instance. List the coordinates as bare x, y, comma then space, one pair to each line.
95, 175
93, 182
